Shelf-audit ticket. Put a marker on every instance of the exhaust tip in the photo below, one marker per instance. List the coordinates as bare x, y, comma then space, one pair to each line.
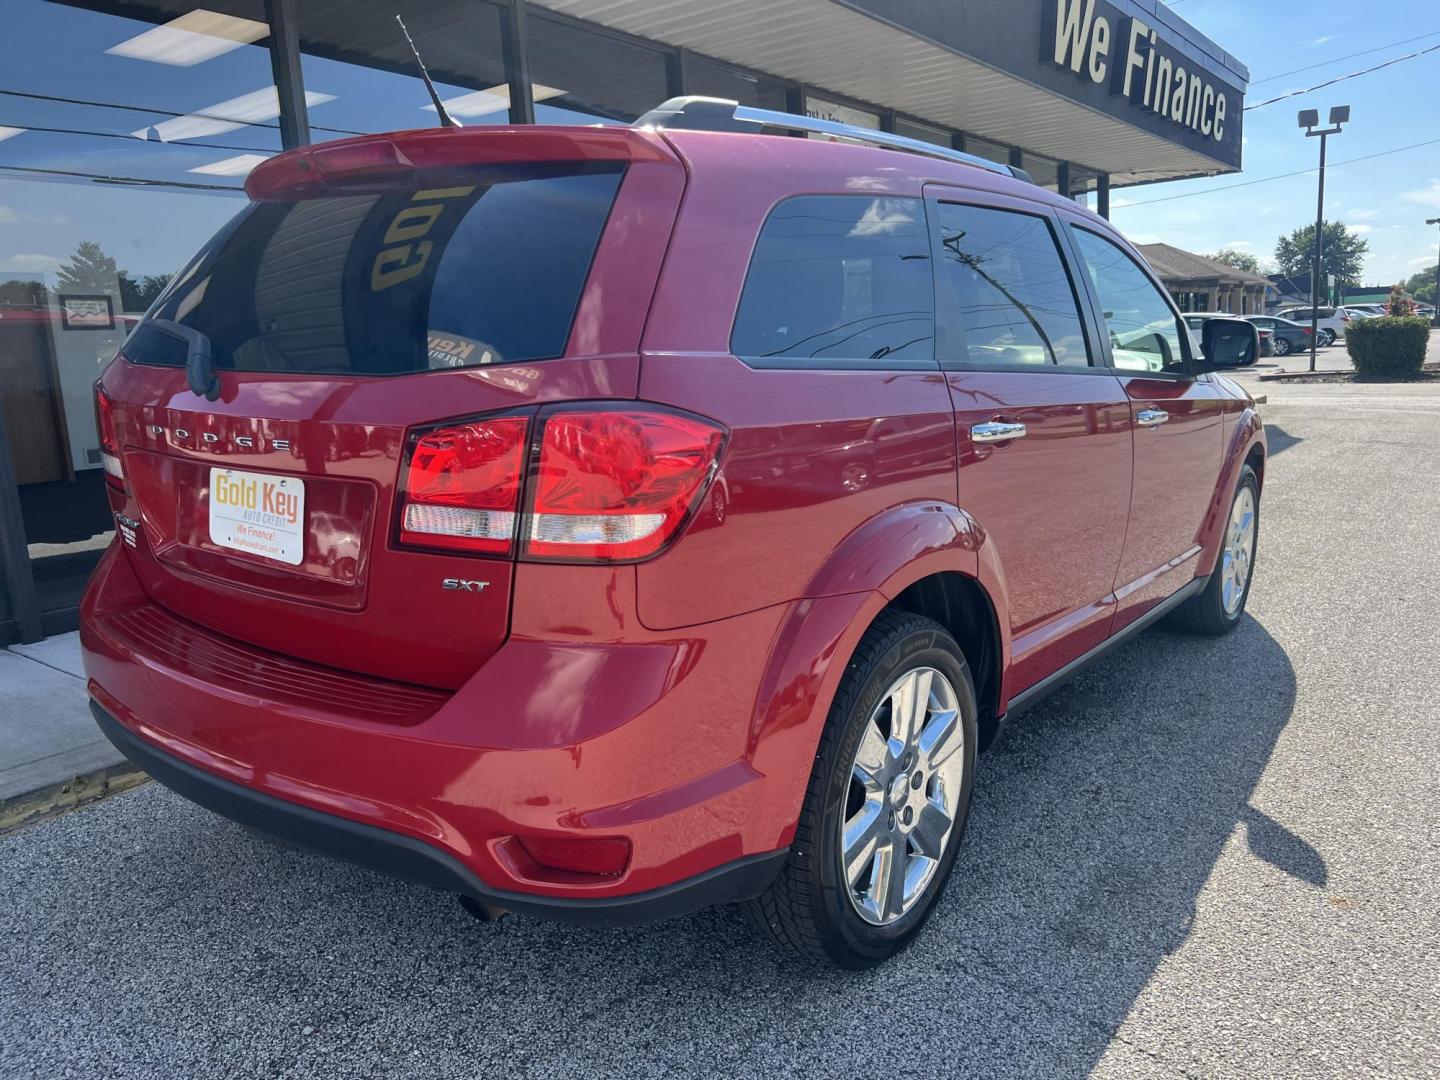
486, 913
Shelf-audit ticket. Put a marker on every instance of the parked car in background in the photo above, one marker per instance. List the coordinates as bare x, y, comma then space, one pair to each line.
1288, 336
1369, 309
1197, 319
490, 517
1331, 324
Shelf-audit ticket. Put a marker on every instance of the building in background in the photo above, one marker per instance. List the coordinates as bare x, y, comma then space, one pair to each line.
1201, 284
127, 128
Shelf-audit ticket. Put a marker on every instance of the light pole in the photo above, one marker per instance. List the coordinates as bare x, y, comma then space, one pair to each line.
1309, 118
1436, 305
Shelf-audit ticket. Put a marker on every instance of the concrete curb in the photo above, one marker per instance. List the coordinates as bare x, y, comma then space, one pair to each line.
33, 806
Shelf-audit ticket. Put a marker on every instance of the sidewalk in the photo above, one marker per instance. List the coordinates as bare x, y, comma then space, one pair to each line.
51, 753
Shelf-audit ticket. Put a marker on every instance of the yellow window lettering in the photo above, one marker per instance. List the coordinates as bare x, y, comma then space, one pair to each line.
394, 265
412, 223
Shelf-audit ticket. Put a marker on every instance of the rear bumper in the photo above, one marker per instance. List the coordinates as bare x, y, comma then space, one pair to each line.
648, 738
414, 860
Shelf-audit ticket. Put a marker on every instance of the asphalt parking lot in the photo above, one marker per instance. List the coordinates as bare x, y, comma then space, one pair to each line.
1203, 858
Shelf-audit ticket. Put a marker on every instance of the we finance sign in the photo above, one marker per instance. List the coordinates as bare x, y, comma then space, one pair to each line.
1096, 42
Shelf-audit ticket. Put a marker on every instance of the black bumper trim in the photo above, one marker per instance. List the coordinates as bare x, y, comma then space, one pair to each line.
415, 860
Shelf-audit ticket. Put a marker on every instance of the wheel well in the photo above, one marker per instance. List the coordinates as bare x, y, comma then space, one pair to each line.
1256, 460
959, 604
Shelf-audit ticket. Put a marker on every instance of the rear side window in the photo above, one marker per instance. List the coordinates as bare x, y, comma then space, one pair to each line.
1004, 280
839, 281
477, 267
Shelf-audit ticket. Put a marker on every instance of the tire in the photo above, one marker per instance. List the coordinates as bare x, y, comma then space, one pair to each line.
810, 909
1282, 346
1329, 338
1207, 612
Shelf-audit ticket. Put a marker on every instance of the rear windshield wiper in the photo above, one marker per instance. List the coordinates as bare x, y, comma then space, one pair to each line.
199, 370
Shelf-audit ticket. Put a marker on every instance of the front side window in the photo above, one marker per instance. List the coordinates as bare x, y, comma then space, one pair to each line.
839, 280
1005, 284
1145, 334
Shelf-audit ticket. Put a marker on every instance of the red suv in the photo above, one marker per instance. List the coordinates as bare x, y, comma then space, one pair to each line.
606, 522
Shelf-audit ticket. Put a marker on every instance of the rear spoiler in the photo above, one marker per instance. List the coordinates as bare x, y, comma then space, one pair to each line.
334, 166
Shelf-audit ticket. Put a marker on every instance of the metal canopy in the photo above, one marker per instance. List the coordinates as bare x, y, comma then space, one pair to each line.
830, 46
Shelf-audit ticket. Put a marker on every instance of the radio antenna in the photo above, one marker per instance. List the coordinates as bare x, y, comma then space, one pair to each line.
446, 120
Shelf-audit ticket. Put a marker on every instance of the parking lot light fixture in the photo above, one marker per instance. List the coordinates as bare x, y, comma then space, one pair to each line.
1309, 120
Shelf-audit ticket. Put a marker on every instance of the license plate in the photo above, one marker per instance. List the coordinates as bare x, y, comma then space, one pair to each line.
259, 514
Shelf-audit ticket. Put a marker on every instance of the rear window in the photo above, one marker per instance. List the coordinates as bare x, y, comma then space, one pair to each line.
839, 280
476, 267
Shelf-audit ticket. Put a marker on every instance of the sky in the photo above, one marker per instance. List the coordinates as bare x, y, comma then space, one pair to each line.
1386, 200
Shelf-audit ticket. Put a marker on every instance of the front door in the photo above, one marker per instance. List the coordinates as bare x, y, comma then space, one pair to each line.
1177, 426
1043, 431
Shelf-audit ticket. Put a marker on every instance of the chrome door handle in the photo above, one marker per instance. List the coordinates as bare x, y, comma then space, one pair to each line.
994, 431
1151, 417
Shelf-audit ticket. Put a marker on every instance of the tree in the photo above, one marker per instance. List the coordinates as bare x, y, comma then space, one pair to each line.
136, 295
25, 293
1399, 304
1421, 286
1240, 260
89, 270
1342, 253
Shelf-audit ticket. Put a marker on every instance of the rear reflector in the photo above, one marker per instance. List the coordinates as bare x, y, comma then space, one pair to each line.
462, 486
614, 485
605, 855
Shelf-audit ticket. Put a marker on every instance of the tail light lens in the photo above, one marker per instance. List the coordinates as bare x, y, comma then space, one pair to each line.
462, 486
109, 444
616, 485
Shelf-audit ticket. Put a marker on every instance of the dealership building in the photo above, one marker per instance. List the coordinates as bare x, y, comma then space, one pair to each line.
127, 128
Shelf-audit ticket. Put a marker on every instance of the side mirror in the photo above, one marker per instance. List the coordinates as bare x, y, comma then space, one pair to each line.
1228, 343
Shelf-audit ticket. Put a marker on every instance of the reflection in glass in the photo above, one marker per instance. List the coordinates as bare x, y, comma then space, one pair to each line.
839, 277
1144, 330
1010, 291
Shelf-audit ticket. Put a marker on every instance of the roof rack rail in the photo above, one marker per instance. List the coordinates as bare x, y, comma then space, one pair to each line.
696, 113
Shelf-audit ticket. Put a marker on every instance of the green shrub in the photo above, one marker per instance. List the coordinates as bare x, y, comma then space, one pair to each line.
1388, 347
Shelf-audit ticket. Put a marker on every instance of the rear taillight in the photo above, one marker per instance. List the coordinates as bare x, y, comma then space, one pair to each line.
616, 484
606, 485
462, 486
109, 444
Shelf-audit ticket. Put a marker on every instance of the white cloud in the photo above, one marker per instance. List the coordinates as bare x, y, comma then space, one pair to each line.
10, 216
1429, 196
1362, 215
1322, 39
30, 263
1421, 260
1238, 244
1360, 230
1117, 201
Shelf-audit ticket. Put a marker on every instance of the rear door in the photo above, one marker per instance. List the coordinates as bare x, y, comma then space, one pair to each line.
344, 324
1020, 357
1176, 417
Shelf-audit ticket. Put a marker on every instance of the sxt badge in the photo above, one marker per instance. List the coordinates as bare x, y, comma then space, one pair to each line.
466, 586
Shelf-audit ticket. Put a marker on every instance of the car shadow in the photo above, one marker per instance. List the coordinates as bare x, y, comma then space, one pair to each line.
1278, 440
1098, 818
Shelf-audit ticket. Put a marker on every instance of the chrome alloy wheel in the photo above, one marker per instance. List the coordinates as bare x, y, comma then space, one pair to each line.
1239, 551
905, 785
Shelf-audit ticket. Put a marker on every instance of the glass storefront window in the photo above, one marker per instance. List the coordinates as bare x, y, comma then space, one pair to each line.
924, 132
714, 79
581, 76
825, 109
1043, 171
123, 148
990, 151
354, 54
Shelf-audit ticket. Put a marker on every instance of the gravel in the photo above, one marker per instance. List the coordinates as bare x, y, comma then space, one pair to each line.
1202, 858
